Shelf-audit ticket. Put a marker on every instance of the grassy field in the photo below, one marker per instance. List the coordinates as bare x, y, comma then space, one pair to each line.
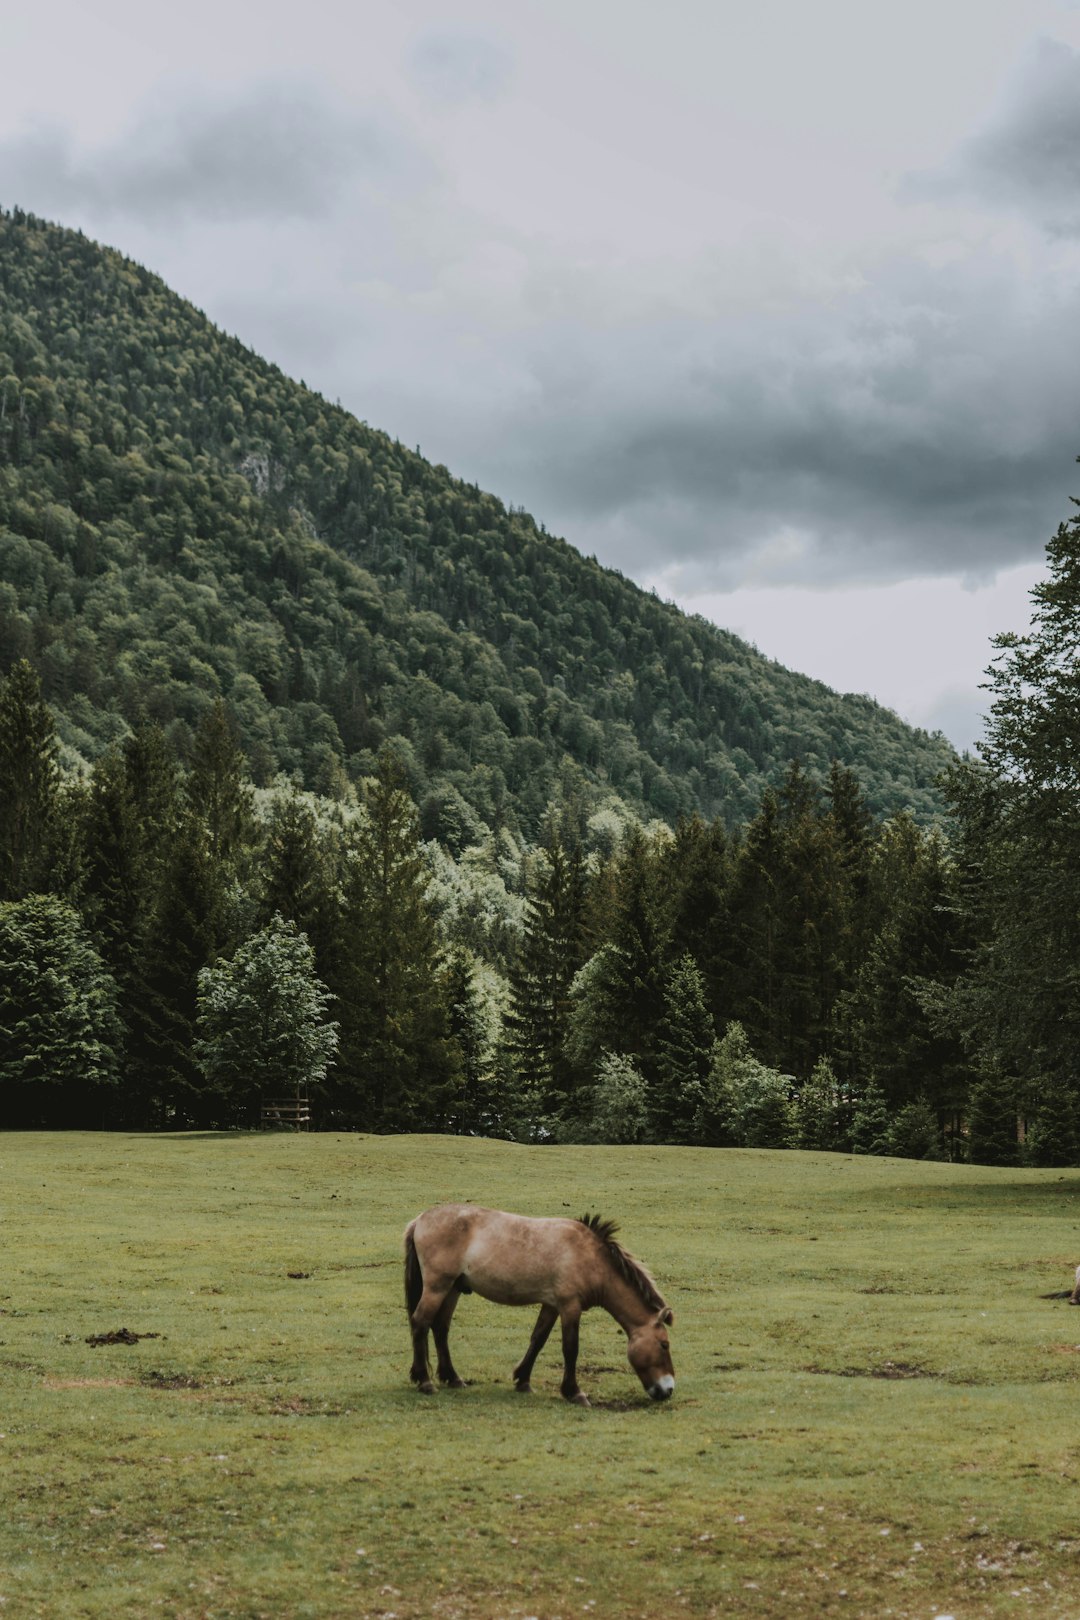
876, 1414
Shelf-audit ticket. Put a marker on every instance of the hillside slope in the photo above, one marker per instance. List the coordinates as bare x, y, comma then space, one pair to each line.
179, 520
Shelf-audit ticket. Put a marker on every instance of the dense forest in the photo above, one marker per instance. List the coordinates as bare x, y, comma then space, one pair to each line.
176, 945
169, 932
321, 770
180, 522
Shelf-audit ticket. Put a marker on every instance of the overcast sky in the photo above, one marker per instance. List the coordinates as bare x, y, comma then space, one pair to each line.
772, 306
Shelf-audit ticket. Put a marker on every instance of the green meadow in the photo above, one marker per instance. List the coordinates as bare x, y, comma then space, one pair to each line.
876, 1414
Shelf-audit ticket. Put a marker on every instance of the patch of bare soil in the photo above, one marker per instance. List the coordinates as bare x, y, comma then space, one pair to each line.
166, 1380
120, 1336
884, 1369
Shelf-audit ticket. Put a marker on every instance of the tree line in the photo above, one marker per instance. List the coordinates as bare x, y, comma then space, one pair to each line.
176, 944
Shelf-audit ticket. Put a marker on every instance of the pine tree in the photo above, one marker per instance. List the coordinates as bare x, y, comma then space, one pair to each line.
992, 1120
184, 934
1018, 826
684, 1044
818, 1123
620, 1104
914, 1132
638, 929
475, 1108
870, 1123
216, 788
298, 878
398, 1066
695, 876
29, 785
744, 1102
59, 1030
1053, 1133
917, 955
552, 950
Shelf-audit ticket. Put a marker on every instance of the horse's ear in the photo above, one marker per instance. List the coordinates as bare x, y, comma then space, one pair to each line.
667, 1316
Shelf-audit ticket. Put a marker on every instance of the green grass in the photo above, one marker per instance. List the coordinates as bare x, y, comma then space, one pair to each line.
876, 1414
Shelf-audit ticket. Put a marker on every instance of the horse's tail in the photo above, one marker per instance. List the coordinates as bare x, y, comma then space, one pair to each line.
414, 1279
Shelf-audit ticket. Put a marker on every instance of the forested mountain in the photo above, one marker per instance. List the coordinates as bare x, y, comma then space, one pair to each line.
180, 522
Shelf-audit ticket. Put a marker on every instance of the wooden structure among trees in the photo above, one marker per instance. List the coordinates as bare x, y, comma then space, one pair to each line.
286, 1113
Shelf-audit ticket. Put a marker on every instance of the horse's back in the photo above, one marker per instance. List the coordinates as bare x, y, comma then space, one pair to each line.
511, 1259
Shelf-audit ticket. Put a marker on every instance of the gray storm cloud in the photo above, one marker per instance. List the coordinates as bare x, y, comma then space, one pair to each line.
454, 66
920, 416
1027, 158
926, 426
279, 152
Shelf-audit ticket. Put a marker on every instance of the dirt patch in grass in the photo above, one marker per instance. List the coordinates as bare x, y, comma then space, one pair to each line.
119, 1336
883, 1369
170, 1380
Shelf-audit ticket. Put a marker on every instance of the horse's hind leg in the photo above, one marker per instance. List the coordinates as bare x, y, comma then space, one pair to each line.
420, 1372
421, 1320
440, 1329
544, 1324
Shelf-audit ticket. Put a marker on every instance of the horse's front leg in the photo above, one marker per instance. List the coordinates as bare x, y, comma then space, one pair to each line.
440, 1329
570, 1324
523, 1371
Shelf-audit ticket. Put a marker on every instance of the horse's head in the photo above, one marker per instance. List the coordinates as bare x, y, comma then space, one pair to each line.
649, 1351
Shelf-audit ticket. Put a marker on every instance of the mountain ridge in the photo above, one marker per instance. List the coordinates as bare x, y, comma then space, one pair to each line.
181, 521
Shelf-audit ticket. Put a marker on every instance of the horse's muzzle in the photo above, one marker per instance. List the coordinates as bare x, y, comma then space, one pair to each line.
663, 1389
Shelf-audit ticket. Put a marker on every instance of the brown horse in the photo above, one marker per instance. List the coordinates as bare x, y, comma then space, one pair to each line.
563, 1266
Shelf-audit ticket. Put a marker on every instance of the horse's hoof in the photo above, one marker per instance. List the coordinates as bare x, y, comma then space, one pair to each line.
427, 1387
524, 1388
581, 1399
454, 1383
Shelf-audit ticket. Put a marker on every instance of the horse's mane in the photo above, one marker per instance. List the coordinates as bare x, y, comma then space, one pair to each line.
630, 1270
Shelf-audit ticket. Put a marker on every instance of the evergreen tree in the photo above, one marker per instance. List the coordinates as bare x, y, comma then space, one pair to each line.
914, 1132
620, 1111
684, 1044
757, 907
870, 1122
398, 1068
818, 1123
594, 1025
694, 876
29, 785
298, 878
717, 1122
637, 927
59, 1030
184, 934
475, 1108
992, 1120
1018, 825
745, 1103
217, 791
916, 956
552, 951
1053, 1131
